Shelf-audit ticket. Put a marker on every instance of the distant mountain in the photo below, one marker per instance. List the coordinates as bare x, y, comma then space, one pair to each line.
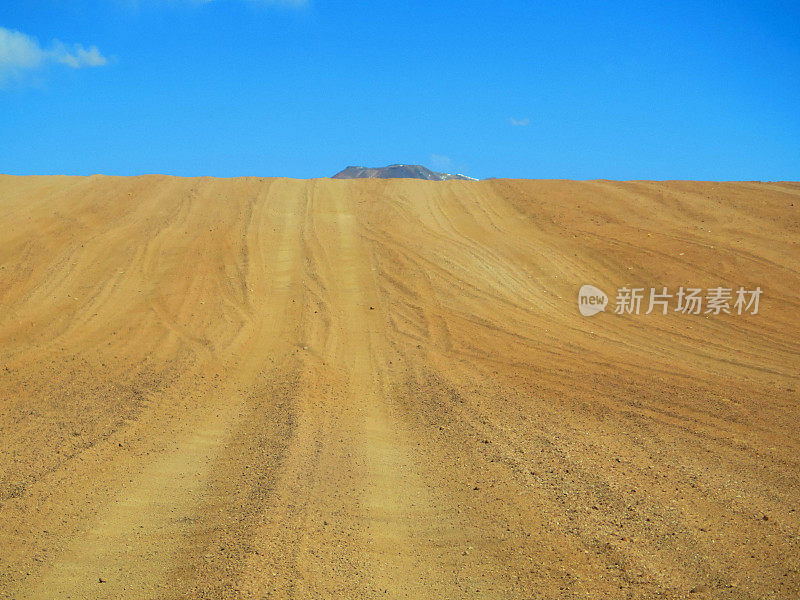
397, 172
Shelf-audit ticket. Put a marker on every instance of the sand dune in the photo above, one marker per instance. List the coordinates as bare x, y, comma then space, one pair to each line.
273, 388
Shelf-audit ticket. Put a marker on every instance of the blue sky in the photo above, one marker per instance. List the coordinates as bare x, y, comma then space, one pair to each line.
580, 90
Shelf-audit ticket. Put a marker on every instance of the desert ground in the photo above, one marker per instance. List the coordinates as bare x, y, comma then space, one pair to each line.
325, 389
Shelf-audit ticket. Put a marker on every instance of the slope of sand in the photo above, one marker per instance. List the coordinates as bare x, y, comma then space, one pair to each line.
271, 388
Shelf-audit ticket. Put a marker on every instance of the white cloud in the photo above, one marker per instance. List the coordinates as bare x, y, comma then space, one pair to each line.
439, 162
20, 52
520, 122
79, 56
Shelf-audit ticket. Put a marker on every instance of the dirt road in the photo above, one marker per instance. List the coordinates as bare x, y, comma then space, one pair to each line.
272, 388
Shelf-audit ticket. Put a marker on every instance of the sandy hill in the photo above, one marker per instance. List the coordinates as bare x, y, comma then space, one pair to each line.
236, 388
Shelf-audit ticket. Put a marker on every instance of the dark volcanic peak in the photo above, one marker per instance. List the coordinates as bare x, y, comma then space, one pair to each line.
396, 172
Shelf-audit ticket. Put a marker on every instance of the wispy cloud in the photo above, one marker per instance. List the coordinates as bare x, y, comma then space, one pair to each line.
520, 122
78, 57
440, 162
20, 53
445, 164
